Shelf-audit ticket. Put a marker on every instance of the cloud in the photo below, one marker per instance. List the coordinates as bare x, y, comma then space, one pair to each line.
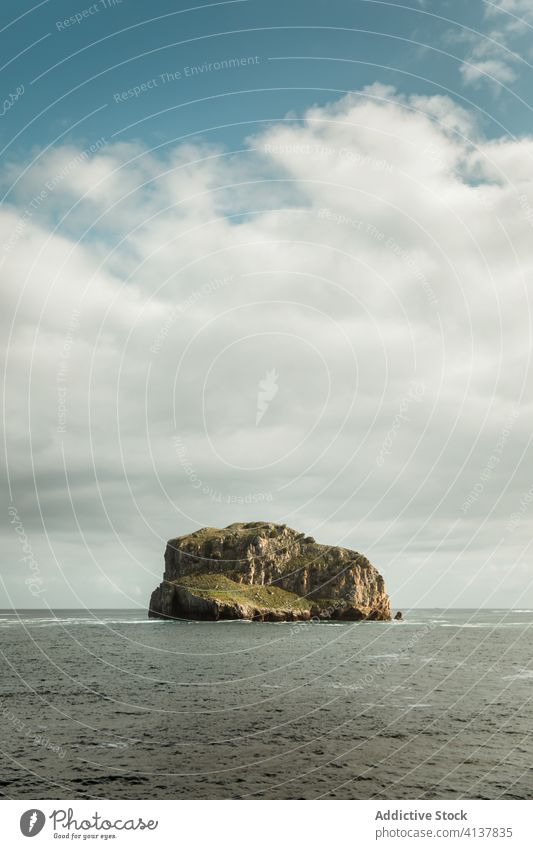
515, 12
490, 70
378, 243
494, 57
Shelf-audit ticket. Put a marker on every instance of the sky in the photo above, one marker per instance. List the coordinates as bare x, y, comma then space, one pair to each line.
266, 262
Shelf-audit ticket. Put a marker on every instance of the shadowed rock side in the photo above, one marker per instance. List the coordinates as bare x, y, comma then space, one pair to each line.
267, 572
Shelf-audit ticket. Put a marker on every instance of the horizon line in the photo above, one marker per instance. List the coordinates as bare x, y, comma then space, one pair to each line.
405, 607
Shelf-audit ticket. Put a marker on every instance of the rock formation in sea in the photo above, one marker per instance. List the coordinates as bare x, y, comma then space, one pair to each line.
268, 572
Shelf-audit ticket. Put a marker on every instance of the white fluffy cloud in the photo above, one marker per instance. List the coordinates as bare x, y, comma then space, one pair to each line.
369, 262
492, 70
497, 56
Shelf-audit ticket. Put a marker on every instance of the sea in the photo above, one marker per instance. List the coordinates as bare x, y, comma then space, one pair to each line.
107, 704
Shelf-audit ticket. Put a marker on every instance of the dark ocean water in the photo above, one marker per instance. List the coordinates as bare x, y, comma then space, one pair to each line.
107, 704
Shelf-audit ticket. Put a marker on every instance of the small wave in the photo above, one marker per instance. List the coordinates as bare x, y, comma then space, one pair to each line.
132, 622
434, 659
332, 624
519, 676
406, 623
380, 656
492, 625
235, 622
53, 623
471, 625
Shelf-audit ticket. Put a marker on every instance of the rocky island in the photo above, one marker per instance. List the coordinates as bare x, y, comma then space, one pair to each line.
266, 572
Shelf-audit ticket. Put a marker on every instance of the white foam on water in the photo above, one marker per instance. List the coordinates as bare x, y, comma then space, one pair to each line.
379, 656
70, 622
492, 625
237, 622
519, 676
404, 623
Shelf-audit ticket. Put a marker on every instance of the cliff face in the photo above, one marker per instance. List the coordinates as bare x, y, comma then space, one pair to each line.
265, 571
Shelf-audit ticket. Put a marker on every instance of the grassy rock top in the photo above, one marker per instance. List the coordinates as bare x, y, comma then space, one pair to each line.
230, 592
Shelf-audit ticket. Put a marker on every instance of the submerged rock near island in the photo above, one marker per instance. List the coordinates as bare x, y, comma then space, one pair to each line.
266, 572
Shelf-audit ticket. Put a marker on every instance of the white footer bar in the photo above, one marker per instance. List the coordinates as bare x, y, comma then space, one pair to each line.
267, 824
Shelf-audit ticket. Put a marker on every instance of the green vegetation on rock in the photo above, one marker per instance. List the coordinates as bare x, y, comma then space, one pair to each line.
222, 589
